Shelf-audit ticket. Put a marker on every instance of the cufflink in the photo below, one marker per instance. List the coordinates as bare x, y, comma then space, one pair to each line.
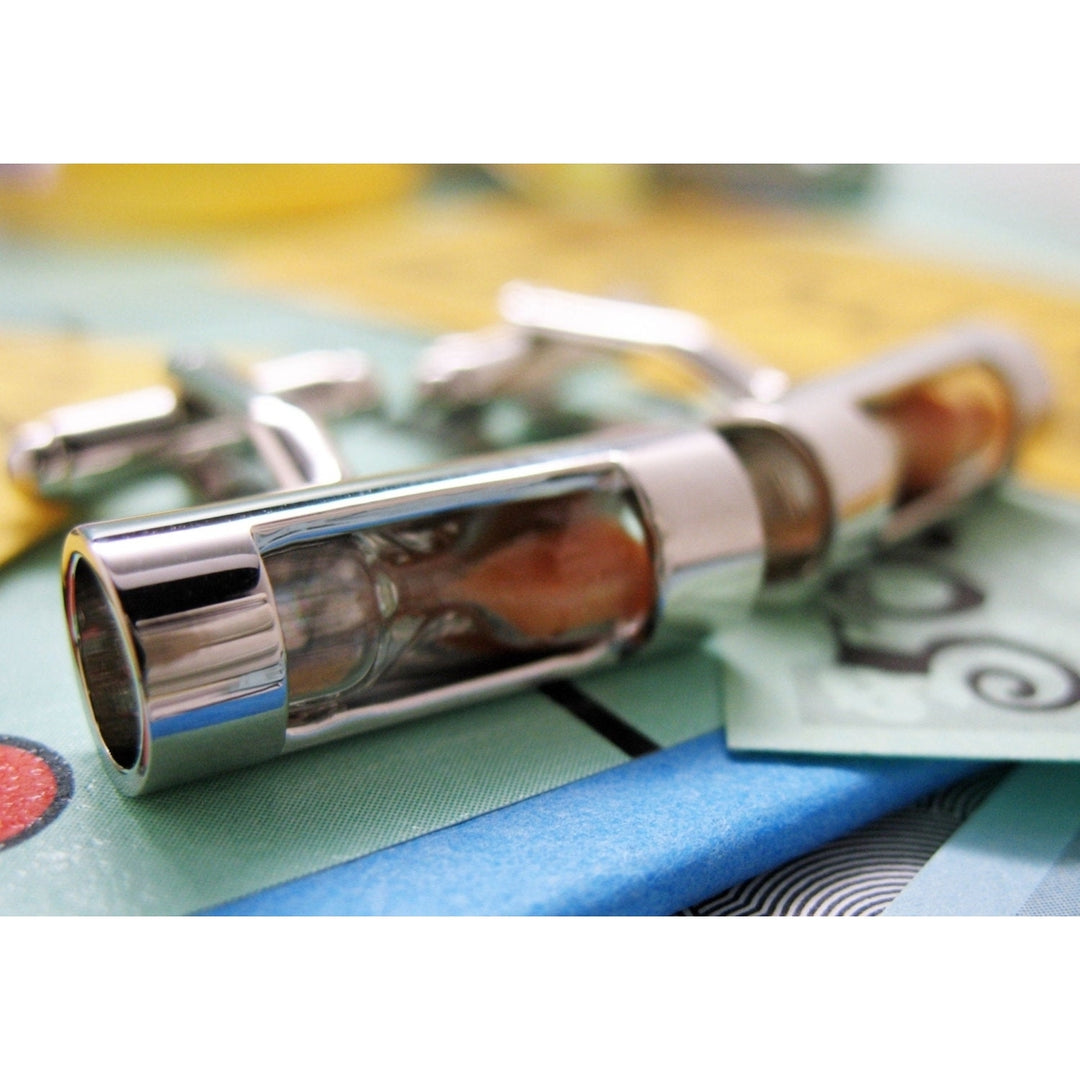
224, 635
225, 431
843, 462
506, 382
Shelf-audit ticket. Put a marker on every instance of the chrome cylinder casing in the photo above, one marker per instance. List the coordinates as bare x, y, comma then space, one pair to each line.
856, 455
178, 648
179, 640
858, 465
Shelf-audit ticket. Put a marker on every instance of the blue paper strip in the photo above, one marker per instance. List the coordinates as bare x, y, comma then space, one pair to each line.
649, 837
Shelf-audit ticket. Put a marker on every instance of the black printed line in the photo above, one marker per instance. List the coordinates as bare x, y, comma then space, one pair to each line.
603, 721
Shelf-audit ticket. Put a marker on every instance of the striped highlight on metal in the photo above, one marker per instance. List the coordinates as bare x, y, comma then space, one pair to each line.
863, 872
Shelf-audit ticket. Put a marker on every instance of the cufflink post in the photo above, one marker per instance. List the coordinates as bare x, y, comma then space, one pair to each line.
548, 333
200, 428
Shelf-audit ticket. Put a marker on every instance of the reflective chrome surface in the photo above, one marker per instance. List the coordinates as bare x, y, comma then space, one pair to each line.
547, 334
219, 637
618, 324
178, 648
839, 464
286, 437
200, 427
903, 439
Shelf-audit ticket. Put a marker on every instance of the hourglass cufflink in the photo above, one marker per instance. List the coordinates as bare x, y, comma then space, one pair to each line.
223, 636
873, 454
841, 462
219, 637
205, 427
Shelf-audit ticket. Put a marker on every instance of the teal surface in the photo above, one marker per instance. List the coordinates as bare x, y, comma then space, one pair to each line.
1016, 855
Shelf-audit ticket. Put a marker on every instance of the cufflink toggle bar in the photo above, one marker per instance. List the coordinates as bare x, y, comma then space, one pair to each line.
205, 427
549, 335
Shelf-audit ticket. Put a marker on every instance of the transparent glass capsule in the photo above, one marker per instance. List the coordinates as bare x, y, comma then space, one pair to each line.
375, 615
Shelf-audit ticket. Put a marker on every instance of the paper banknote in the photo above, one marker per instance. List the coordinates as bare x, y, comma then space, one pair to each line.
1017, 854
963, 643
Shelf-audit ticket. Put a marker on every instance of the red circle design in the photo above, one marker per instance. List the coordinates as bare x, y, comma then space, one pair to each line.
32, 791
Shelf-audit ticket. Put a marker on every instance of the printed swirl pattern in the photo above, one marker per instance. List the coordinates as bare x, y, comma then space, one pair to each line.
861, 873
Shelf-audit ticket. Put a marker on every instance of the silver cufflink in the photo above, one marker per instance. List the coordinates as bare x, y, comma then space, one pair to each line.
886, 448
472, 386
228, 433
222, 636
871, 454
217, 637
